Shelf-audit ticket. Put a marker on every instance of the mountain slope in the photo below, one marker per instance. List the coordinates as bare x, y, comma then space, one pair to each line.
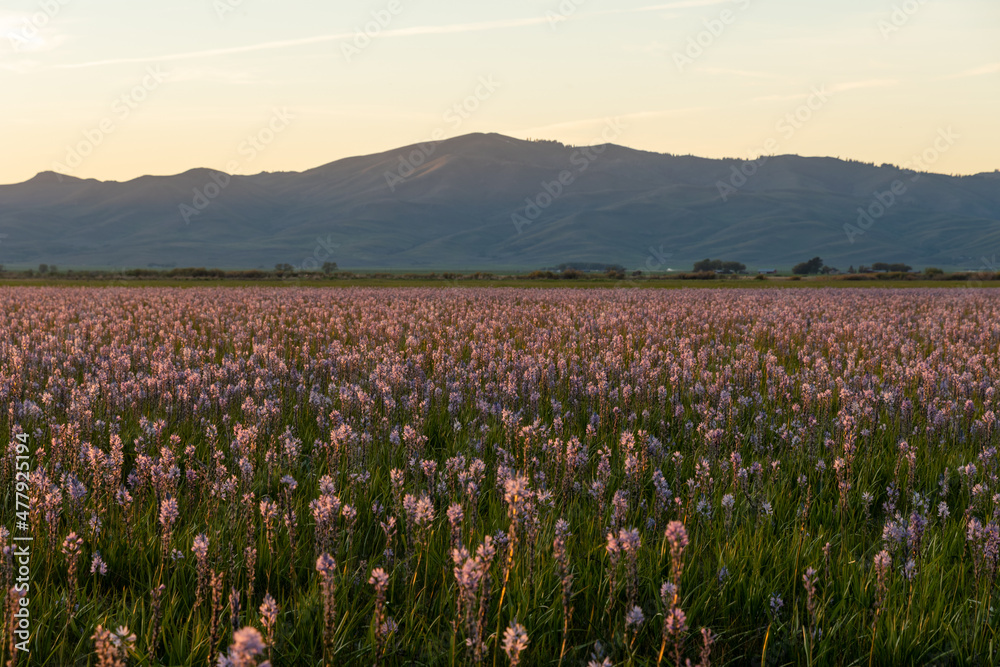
486, 201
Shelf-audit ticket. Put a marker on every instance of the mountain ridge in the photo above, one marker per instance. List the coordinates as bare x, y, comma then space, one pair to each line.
487, 201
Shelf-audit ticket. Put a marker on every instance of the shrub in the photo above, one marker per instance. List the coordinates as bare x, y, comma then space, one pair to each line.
813, 266
719, 265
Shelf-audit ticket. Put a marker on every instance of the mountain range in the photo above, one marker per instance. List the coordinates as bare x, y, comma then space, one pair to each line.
491, 202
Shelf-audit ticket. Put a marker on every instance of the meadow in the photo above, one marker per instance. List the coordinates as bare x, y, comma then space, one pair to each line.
427, 476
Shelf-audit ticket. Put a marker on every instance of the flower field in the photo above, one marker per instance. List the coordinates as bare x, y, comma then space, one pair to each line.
488, 476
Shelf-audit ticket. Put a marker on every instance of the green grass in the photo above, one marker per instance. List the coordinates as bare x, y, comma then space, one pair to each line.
943, 616
585, 283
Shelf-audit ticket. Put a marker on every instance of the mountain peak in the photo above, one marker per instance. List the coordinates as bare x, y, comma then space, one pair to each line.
50, 177
485, 200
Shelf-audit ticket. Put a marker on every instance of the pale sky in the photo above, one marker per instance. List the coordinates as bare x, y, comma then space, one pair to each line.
885, 79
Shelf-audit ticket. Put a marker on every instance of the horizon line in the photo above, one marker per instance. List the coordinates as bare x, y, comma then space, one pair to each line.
62, 176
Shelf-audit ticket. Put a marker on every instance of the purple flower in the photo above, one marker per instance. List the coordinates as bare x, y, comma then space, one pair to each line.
247, 645
677, 537
200, 546
515, 640
675, 622
776, 603
97, 564
326, 566
634, 617
169, 513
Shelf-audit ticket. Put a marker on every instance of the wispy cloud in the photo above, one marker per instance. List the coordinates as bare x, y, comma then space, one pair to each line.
868, 83
982, 70
317, 39
654, 48
781, 98
214, 75
832, 89
20, 35
21, 67
399, 32
681, 4
740, 72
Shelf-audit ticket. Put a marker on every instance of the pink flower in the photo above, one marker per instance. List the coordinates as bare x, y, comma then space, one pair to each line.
675, 622
326, 566
515, 640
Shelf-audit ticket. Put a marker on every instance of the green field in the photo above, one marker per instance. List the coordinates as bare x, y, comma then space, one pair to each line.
390, 476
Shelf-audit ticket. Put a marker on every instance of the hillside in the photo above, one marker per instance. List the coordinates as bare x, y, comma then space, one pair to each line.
463, 203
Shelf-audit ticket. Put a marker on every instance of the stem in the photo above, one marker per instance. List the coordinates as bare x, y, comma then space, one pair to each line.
871, 651
562, 649
503, 591
763, 653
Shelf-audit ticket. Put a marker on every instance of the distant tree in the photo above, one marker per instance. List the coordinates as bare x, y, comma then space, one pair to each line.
535, 275
719, 265
329, 267
590, 266
616, 272
850, 269
284, 268
933, 271
53, 268
812, 267
882, 266
827, 270
43, 268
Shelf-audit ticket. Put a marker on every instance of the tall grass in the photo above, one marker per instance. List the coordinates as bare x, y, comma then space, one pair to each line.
758, 421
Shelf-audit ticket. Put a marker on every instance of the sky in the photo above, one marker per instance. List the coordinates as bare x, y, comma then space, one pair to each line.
114, 89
